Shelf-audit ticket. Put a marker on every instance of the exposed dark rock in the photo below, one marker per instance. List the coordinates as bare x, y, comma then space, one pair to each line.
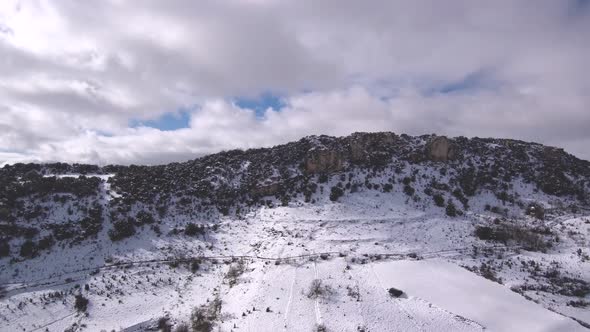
440, 148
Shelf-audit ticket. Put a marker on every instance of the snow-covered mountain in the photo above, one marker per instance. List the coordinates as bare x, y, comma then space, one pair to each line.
316, 234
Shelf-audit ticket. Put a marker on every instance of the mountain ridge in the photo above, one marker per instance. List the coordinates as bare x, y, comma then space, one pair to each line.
513, 212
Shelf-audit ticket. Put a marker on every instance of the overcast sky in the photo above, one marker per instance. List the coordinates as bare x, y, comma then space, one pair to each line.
152, 81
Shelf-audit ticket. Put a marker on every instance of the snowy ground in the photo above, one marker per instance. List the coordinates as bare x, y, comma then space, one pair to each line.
272, 295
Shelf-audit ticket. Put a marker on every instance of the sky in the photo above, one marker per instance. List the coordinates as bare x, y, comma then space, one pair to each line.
151, 81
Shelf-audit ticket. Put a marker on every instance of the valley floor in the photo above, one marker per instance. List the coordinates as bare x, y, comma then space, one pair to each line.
356, 253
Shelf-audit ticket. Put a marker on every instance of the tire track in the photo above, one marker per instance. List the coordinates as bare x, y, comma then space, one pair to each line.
288, 307
318, 314
358, 306
410, 317
51, 281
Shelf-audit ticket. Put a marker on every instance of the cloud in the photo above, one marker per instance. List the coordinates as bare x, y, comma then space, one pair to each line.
76, 74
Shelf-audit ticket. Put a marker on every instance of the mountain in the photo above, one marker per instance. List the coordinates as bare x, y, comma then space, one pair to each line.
312, 234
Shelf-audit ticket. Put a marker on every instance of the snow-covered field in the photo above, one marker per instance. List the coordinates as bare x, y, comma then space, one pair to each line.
358, 249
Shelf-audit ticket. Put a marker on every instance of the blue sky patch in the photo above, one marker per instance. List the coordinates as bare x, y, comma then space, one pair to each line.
167, 122
261, 103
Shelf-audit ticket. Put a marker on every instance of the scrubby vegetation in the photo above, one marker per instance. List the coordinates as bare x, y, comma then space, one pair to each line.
4, 248
529, 238
234, 272
81, 303
336, 193
122, 229
317, 289
205, 317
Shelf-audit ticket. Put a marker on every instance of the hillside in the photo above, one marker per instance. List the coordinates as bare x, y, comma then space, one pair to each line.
236, 239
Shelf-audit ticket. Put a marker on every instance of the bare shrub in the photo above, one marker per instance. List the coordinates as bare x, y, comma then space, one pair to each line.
320, 328
234, 273
182, 327
164, 324
318, 289
204, 318
354, 293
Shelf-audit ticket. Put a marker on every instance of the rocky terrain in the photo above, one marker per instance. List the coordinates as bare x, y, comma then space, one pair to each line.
86, 247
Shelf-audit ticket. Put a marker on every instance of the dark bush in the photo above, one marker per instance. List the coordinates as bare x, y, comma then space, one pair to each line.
484, 233
81, 303
394, 292
122, 229
144, 217
192, 229
488, 272
30, 232
164, 324
438, 200
4, 248
335, 193
408, 190
28, 249
195, 264
46, 243
387, 187
529, 239
321, 328
459, 195
451, 209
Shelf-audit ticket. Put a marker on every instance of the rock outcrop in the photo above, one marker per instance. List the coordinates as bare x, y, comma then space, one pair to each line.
319, 160
440, 148
362, 144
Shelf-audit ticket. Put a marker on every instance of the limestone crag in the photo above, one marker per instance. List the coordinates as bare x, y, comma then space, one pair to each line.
362, 144
440, 148
320, 160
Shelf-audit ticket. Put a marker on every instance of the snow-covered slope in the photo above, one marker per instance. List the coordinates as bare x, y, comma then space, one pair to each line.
308, 236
